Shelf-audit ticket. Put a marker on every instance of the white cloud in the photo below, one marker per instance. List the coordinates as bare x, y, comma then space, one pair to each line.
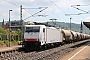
68, 3
52, 11
88, 19
57, 11
27, 0
4, 14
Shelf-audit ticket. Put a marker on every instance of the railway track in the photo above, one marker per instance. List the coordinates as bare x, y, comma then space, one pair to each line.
47, 54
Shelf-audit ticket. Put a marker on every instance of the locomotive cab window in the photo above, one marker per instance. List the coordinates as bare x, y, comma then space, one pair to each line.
32, 29
43, 29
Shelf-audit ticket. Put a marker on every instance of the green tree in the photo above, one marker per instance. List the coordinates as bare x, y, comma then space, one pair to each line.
19, 32
3, 31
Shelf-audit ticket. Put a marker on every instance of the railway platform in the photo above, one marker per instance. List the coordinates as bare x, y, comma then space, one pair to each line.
8, 49
81, 53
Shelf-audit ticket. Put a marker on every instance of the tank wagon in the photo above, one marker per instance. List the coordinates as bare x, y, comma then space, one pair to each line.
41, 36
74, 36
66, 36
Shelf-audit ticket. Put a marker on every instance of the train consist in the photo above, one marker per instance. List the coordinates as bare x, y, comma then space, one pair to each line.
42, 36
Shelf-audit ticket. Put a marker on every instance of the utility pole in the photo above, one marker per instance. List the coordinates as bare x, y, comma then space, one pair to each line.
54, 22
89, 31
81, 30
21, 12
70, 23
22, 24
9, 28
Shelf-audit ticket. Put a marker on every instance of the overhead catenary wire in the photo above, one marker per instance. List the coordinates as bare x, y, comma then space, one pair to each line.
74, 6
11, 3
81, 5
36, 13
67, 3
27, 8
32, 8
57, 6
16, 5
27, 11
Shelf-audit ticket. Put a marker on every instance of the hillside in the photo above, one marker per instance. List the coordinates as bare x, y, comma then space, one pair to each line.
74, 27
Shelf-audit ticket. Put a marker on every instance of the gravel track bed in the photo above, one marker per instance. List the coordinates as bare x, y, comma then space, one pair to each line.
48, 54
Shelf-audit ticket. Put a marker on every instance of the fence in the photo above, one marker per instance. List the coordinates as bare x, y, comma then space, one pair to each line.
4, 37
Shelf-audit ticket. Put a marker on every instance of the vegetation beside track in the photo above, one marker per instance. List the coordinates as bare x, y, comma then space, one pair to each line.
15, 36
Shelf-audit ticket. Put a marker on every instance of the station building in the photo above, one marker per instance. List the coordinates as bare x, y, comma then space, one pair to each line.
15, 24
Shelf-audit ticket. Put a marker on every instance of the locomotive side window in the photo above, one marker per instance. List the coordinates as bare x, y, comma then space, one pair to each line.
32, 29
43, 29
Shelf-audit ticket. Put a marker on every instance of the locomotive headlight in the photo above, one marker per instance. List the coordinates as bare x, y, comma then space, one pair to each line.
25, 39
37, 39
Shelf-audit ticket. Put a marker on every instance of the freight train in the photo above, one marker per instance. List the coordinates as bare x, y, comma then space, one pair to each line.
42, 36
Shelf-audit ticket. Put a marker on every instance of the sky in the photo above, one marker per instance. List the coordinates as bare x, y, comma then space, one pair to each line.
62, 10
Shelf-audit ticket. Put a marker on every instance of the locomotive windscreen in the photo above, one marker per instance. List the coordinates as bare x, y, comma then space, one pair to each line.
32, 29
